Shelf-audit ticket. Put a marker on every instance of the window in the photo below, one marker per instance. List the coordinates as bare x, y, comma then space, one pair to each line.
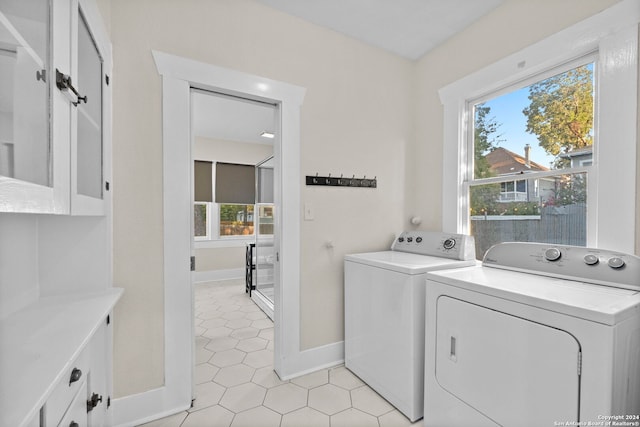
513, 191
546, 121
222, 191
201, 224
235, 220
579, 182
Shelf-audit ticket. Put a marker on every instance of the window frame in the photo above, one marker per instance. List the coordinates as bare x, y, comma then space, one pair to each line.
613, 36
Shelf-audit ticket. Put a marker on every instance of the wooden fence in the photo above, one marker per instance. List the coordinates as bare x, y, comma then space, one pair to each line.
556, 224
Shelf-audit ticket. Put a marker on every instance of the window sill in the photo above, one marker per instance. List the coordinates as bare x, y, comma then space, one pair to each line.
224, 243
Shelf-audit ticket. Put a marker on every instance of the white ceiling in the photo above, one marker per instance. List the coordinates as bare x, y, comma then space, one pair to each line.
231, 119
408, 28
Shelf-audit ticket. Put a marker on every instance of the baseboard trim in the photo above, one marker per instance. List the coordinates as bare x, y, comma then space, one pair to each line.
215, 275
315, 359
137, 409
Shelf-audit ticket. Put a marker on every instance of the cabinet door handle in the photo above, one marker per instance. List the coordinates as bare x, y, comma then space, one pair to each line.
93, 402
63, 82
76, 374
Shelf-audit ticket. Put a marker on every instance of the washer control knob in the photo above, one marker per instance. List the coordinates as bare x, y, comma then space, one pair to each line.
552, 254
616, 262
409, 239
591, 259
450, 243
418, 239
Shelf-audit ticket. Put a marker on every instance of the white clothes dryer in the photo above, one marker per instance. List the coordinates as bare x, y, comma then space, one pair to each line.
538, 335
384, 312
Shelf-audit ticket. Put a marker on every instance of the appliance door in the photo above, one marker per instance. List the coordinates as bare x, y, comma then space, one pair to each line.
512, 370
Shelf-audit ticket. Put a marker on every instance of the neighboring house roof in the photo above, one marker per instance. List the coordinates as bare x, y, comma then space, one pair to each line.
503, 162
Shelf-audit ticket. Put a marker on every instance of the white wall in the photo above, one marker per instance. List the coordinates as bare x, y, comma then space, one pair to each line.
18, 262
356, 119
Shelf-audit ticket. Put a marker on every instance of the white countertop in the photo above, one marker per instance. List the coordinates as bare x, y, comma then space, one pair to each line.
39, 342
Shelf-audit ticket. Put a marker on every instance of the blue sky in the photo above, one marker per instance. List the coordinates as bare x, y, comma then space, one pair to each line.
507, 111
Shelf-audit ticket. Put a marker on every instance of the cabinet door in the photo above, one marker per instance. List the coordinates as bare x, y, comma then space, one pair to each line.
76, 415
99, 377
89, 139
34, 166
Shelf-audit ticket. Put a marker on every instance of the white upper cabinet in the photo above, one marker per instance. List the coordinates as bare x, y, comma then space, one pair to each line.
55, 105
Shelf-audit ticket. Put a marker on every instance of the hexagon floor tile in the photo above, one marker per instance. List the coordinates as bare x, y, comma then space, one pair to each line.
367, 400
234, 375
353, 417
329, 399
286, 398
237, 387
242, 397
305, 417
312, 380
257, 417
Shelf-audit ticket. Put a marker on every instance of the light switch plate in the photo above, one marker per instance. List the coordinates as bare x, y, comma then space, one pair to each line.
308, 212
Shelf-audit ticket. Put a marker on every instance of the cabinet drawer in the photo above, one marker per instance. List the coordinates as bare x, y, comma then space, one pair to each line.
73, 380
76, 416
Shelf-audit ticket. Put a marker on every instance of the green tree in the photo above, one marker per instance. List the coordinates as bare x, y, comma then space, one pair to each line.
561, 112
569, 190
485, 140
482, 198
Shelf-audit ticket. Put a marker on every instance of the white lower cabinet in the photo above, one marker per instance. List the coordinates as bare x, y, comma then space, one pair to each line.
56, 365
80, 398
76, 414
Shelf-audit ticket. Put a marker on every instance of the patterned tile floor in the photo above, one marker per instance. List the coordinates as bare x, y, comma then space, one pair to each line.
236, 384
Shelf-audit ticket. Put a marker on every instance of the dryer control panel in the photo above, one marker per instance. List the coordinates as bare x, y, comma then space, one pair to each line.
598, 266
432, 243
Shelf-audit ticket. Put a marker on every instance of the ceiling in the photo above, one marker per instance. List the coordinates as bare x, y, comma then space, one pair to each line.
229, 118
408, 28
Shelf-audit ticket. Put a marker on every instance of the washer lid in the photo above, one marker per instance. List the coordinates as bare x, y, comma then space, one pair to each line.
602, 304
407, 263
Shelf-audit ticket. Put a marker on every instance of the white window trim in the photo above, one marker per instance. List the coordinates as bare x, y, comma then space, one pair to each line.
613, 34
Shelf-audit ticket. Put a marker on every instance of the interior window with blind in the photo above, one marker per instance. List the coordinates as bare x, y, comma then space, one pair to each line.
532, 152
224, 196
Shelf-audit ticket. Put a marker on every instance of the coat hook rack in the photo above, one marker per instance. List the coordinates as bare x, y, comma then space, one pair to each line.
328, 180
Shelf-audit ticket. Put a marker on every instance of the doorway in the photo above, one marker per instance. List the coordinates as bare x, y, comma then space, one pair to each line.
179, 75
234, 229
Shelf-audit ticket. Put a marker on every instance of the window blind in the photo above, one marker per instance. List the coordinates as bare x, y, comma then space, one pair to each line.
235, 183
203, 189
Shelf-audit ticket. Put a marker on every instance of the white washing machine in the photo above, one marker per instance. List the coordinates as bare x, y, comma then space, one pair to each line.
538, 335
384, 312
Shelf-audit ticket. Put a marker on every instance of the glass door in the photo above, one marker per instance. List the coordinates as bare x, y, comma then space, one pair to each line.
263, 278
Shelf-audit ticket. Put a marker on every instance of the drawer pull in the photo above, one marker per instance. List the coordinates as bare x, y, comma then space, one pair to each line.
76, 374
